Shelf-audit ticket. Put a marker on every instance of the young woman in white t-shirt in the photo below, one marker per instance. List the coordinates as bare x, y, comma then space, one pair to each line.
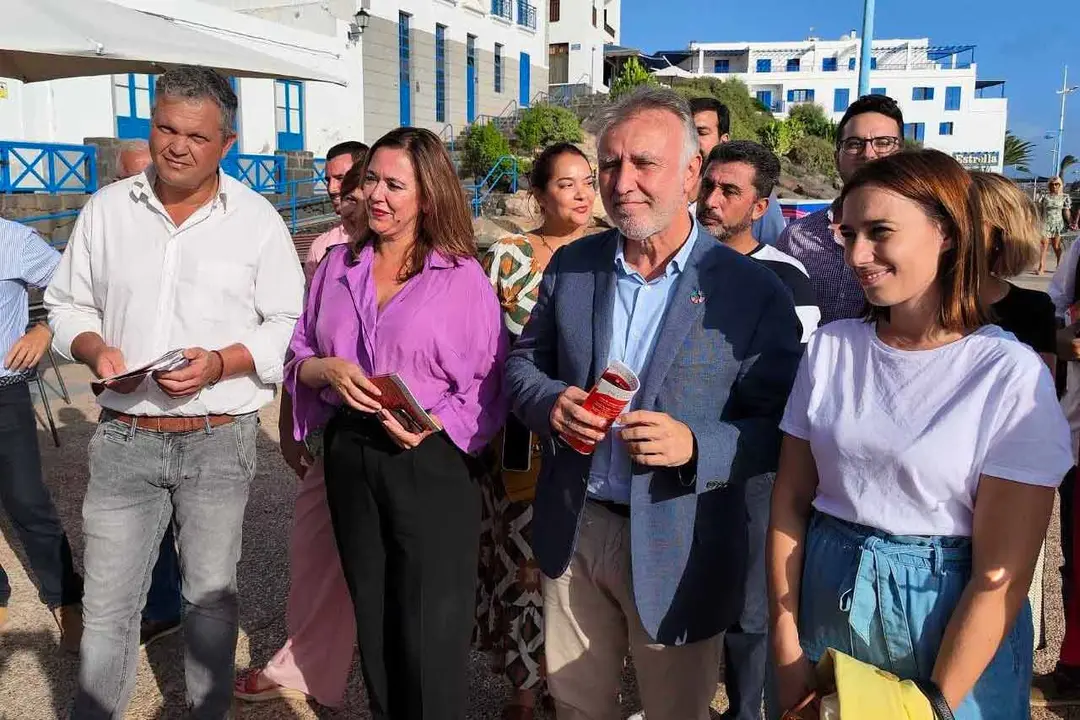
918, 468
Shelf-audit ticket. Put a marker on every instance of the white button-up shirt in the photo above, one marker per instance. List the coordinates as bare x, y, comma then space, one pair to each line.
229, 274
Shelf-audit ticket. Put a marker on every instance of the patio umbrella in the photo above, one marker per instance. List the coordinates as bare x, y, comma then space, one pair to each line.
50, 39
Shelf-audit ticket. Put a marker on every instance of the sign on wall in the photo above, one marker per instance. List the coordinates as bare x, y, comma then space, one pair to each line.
985, 160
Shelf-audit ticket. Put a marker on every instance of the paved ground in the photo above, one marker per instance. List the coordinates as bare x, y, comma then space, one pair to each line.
36, 680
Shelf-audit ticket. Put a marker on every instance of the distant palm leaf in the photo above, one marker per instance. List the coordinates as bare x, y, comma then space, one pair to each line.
1017, 152
1067, 162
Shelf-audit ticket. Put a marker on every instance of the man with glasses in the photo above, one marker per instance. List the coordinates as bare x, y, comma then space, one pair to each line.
872, 127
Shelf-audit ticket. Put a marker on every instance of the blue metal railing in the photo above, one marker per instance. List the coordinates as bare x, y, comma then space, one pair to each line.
526, 14
262, 173
503, 9
319, 167
47, 168
448, 136
505, 170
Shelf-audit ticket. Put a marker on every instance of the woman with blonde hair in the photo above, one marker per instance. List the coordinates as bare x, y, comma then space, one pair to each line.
1054, 207
1012, 242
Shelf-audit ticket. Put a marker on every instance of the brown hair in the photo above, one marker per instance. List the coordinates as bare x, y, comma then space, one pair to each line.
445, 224
941, 187
354, 178
1009, 222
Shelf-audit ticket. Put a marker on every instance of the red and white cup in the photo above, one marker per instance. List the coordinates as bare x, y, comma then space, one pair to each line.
608, 398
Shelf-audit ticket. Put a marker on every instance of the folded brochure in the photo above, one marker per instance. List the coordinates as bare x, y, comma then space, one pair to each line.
400, 402
172, 360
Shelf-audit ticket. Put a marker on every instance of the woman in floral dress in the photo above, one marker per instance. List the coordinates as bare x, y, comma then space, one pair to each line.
1054, 207
510, 608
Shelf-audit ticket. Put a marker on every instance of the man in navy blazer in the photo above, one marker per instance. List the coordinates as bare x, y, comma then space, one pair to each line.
645, 540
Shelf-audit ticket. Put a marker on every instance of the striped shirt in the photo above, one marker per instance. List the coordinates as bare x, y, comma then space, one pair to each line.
792, 273
25, 261
811, 241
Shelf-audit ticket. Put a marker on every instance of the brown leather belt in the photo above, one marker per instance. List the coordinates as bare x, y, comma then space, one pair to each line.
171, 424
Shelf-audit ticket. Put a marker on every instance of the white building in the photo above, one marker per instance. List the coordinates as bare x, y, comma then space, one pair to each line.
945, 105
439, 64
274, 115
578, 32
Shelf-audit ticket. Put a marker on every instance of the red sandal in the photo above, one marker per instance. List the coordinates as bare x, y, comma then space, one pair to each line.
247, 688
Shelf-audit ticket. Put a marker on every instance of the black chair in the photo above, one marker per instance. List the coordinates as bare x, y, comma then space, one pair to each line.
38, 315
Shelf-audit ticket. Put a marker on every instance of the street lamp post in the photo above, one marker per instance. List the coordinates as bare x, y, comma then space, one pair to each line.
1064, 92
867, 47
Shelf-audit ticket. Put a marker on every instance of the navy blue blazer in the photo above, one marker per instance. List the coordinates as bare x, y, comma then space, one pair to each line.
723, 366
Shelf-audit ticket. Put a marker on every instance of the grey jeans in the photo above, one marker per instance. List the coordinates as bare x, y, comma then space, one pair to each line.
138, 481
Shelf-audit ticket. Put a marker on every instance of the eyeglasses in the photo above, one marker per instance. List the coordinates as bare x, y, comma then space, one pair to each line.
882, 145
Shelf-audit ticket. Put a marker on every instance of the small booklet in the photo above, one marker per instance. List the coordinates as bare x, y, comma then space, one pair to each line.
172, 360
402, 404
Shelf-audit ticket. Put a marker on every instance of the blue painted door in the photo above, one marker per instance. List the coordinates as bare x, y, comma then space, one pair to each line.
765, 98
404, 70
470, 79
289, 114
524, 80
133, 94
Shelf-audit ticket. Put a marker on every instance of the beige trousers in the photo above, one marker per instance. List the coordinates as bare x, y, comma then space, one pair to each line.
591, 622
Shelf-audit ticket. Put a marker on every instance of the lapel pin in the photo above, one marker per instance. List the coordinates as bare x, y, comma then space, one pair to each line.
697, 297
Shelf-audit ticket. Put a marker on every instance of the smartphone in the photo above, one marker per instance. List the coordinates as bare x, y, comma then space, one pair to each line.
516, 447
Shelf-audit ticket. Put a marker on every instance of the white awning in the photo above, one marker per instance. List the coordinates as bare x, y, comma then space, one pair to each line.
50, 39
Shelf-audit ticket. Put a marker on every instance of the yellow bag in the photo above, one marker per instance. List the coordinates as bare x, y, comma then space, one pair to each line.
864, 692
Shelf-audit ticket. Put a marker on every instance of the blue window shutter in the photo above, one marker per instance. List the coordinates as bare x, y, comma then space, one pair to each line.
841, 99
952, 97
829, 64
851, 64
878, 91
873, 63
791, 96
809, 96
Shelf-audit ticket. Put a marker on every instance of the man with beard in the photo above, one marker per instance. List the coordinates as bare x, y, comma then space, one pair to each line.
644, 538
735, 189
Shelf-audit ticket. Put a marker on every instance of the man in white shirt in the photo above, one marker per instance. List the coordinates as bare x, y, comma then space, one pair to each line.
179, 256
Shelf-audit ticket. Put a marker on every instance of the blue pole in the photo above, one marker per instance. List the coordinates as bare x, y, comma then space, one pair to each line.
867, 42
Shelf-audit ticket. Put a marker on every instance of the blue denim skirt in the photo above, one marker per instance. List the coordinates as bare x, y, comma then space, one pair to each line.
886, 600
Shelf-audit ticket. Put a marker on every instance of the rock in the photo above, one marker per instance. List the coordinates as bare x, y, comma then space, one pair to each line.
487, 232
519, 205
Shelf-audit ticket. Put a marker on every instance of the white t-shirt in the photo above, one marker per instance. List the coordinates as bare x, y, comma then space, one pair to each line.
901, 438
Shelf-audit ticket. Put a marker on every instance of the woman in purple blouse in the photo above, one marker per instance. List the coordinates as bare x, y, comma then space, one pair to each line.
407, 297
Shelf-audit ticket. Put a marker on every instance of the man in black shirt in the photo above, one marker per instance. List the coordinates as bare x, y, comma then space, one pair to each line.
738, 179
736, 184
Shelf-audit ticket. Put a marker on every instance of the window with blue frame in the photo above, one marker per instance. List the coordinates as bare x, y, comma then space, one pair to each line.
799, 96
793, 65
915, 131
440, 73
945, 128
922, 93
841, 99
952, 97
829, 64
133, 94
851, 63
498, 68
289, 114
764, 65
873, 63
404, 70
721, 65
878, 91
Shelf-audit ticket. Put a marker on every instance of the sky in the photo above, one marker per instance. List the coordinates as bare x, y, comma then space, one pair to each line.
1014, 42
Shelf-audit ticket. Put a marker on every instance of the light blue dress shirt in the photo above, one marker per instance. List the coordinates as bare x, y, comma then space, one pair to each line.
768, 228
25, 260
636, 317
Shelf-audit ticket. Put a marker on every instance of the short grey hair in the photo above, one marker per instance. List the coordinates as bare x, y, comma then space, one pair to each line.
195, 82
647, 98
127, 146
